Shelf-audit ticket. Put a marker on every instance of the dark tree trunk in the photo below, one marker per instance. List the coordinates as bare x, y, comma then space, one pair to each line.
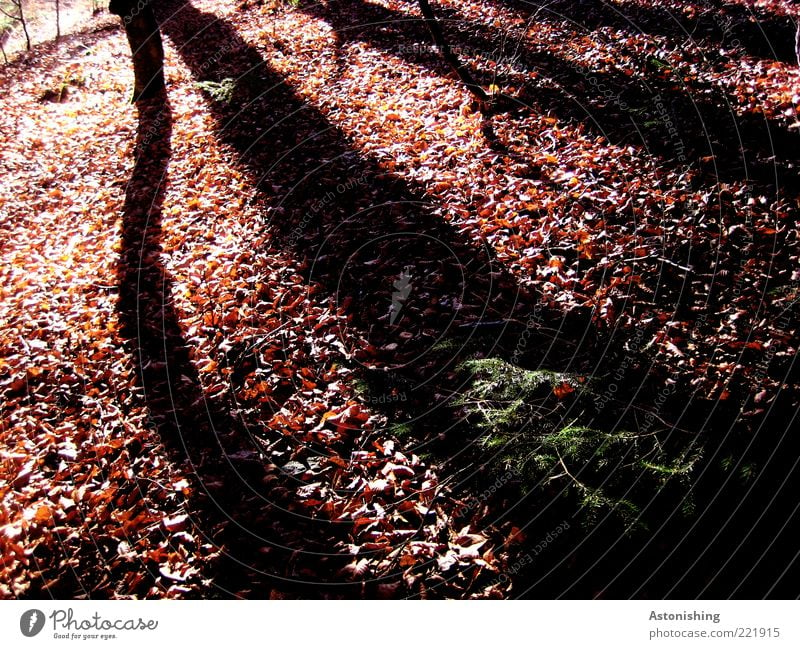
144, 39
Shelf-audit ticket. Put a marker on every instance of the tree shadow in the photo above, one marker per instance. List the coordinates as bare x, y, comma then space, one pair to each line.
357, 224
231, 507
405, 280
680, 125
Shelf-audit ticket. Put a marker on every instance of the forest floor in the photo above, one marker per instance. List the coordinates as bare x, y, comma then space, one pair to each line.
40, 18
263, 338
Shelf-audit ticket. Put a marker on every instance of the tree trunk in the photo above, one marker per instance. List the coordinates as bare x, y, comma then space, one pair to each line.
144, 39
24, 24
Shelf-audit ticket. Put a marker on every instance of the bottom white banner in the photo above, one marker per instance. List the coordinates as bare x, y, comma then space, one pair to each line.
356, 624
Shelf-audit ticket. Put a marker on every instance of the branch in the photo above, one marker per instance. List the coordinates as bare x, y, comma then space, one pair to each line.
447, 53
8, 15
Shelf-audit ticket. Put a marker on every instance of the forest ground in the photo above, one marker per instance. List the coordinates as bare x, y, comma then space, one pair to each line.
261, 339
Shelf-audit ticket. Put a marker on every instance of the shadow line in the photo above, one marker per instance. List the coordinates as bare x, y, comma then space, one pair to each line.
681, 125
230, 507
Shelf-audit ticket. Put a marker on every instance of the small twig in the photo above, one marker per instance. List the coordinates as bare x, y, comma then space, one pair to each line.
582, 486
686, 269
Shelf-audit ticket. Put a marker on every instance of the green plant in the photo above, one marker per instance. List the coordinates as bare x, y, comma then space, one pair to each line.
657, 63
278, 5
539, 425
221, 91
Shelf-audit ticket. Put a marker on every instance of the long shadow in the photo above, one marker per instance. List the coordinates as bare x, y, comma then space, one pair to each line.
232, 508
361, 230
367, 236
681, 125
677, 544
357, 225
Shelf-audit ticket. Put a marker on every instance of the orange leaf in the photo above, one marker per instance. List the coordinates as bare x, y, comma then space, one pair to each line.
562, 390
